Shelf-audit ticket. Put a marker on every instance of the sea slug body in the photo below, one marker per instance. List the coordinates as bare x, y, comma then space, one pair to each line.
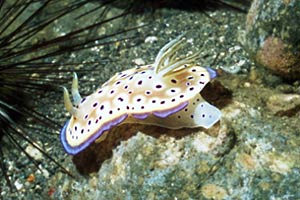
165, 93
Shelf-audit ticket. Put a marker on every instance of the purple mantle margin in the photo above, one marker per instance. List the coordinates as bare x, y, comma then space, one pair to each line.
166, 113
74, 150
140, 116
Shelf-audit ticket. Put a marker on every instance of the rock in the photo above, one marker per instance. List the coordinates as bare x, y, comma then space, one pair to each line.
19, 186
164, 164
212, 191
272, 36
176, 165
284, 104
34, 153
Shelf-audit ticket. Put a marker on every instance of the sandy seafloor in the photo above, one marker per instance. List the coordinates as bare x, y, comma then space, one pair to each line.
262, 152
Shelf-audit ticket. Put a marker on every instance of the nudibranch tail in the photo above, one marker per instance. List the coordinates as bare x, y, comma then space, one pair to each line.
75, 92
206, 115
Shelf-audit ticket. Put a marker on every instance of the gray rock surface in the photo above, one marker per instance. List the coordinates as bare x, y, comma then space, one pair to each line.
272, 36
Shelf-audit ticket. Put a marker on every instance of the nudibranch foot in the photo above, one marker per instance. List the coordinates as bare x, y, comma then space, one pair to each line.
195, 113
206, 115
166, 93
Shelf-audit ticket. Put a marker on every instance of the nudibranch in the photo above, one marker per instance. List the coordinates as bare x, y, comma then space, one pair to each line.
165, 93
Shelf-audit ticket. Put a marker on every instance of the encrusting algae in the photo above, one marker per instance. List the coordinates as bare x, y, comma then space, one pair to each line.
165, 93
